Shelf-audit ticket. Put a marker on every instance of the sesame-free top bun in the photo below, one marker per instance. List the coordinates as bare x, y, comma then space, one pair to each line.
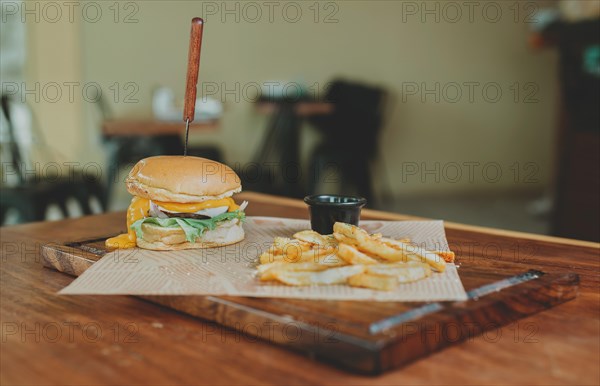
182, 179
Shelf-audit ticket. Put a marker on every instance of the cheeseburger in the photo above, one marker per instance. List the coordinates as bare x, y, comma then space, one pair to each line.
181, 202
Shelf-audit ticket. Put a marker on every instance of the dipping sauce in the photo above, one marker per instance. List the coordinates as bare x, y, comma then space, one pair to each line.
327, 209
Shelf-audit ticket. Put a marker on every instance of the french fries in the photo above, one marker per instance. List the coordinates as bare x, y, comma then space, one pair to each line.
448, 256
404, 272
374, 281
366, 243
294, 255
267, 271
338, 275
415, 253
349, 256
311, 237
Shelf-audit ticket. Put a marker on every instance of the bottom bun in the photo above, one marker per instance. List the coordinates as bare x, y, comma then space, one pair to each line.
172, 239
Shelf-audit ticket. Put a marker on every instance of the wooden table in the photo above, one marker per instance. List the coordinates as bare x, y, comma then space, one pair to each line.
120, 339
152, 127
302, 109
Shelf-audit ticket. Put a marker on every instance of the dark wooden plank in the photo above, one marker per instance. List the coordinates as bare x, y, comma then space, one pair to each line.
324, 329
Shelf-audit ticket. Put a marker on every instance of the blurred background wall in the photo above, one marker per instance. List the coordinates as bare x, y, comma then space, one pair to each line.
474, 108
382, 43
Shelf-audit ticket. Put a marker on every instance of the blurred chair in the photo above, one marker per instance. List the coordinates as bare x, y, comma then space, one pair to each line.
577, 188
31, 196
350, 136
281, 149
281, 145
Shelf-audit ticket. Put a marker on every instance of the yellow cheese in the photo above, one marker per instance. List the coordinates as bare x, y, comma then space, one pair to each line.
196, 206
138, 209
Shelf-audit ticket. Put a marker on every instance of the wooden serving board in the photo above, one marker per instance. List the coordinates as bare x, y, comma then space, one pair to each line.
365, 337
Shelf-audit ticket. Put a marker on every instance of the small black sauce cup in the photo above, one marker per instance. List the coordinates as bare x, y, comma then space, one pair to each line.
326, 209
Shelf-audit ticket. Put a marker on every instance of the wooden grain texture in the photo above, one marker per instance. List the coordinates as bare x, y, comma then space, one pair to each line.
366, 337
558, 346
193, 67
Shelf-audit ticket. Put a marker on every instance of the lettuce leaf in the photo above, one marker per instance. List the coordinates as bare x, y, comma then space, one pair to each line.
193, 228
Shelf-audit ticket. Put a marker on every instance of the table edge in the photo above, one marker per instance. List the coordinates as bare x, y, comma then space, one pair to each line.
293, 202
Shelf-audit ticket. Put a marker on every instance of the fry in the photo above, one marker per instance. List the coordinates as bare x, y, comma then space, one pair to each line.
403, 272
344, 239
331, 260
311, 237
281, 242
347, 230
269, 257
296, 251
330, 238
415, 253
337, 275
266, 271
378, 282
393, 242
351, 255
262, 268
386, 277
448, 256
326, 256
379, 249
366, 243
312, 255
284, 245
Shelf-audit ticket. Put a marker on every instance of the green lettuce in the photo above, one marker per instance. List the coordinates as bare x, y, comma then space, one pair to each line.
193, 228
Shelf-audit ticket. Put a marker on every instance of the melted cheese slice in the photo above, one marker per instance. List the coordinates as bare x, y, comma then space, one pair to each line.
194, 207
139, 208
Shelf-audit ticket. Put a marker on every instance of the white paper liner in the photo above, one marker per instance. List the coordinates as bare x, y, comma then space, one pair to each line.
231, 270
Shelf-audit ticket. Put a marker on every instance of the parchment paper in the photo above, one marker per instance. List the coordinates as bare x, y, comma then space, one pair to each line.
231, 270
